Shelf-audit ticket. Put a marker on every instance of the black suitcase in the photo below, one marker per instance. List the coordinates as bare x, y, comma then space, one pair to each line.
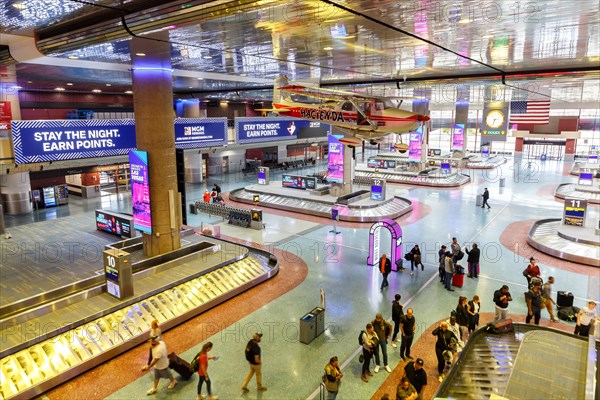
180, 366
564, 299
568, 313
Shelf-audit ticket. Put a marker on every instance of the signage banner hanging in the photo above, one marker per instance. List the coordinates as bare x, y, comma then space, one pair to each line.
414, 146
195, 133
52, 140
140, 191
458, 137
266, 129
494, 126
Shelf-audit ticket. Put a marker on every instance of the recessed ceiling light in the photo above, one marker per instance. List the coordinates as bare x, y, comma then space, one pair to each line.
16, 87
108, 84
69, 84
140, 54
487, 36
128, 92
200, 79
243, 74
207, 57
190, 87
96, 91
73, 57
327, 48
29, 81
465, 21
19, 6
59, 89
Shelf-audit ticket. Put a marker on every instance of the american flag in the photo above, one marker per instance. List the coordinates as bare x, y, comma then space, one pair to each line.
536, 112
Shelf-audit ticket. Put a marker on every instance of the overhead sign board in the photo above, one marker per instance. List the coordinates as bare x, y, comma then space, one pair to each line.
574, 212
52, 140
195, 133
494, 126
266, 129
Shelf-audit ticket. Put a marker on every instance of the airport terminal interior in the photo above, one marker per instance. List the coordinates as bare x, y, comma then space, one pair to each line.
234, 168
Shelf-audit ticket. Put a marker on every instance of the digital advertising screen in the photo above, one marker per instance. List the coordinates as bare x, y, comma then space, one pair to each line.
52, 140
380, 163
586, 177
265, 129
414, 146
298, 182
458, 137
195, 133
113, 224
262, 178
140, 191
485, 151
335, 160
445, 167
49, 196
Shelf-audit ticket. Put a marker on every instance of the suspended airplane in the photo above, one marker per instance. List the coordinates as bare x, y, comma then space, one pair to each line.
358, 116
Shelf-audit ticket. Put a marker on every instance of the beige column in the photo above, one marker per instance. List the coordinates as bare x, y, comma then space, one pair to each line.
154, 121
191, 108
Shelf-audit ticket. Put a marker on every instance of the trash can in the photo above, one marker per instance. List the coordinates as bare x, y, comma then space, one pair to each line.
308, 328
502, 182
193, 208
319, 314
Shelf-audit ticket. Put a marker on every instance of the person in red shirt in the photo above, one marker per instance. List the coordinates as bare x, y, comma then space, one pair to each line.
206, 196
203, 370
385, 267
532, 271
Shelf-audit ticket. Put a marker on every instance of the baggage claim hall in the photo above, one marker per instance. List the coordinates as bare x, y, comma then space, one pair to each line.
241, 189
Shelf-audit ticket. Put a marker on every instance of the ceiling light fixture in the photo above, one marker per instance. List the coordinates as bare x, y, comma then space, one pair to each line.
96, 91
60, 89
328, 48
29, 81
140, 54
19, 6
207, 57
69, 84
243, 74
128, 92
200, 79
465, 21
73, 57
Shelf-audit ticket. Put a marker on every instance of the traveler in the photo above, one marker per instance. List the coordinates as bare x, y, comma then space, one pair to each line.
448, 271
444, 343
462, 317
473, 260
501, 299
407, 327
531, 271
160, 362
206, 196
333, 378
416, 374
455, 328
383, 330
255, 361
385, 267
154, 332
203, 371
486, 197
217, 188
455, 248
534, 304
442, 263
415, 259
406, 391
547, 298
369, 343
474, 307
397, 313
586, 318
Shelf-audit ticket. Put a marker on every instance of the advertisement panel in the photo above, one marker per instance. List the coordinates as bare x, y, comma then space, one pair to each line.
458, 137
5, 115
266, 129
140, 191
114, 224
414, 146
196, 133
335, 162
298, 182
52, 140
494, 126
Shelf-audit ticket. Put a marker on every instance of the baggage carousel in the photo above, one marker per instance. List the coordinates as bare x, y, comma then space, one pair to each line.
43, 346
577, 166
302, 201
432, 178
531, 362
577, 244
589, 193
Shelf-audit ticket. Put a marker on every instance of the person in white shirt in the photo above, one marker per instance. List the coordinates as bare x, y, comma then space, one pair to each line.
369, 340
586, 318
160, 362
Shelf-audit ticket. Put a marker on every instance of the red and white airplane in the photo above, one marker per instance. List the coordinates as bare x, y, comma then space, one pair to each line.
356, 115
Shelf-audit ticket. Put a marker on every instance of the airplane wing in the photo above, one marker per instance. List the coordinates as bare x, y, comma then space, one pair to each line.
328, 94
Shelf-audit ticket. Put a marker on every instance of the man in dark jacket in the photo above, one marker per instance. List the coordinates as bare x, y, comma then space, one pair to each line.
383, 330
407, 327
385, 267
486, 197
397, 313
473, 260
534, 304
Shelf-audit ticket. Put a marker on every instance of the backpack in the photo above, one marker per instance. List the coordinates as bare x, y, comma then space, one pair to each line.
460, 255
195, 364
360, 337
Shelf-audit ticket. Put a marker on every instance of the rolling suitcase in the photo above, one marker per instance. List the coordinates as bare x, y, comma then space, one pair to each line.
564, 299
479, 200
458, 280
180, 366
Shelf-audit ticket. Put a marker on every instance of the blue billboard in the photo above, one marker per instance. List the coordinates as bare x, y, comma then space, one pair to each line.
53, 140
195, 133
267, 129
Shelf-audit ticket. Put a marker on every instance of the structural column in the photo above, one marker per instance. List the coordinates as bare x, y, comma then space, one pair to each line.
154, 121
421, 106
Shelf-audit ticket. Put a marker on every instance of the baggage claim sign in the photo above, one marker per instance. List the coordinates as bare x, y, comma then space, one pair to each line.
52, 140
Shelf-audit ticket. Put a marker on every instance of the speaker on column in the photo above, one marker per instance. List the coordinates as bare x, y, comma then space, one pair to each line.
180, 161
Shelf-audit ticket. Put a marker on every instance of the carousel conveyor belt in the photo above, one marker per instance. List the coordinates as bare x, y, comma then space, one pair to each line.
41, 352
435, 180
392, 208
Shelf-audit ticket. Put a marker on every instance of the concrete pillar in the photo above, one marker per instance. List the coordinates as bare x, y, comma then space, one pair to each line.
9, 110
154, 120
191, 108
15, 192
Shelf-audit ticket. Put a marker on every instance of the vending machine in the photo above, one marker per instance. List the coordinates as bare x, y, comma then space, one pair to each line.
49, 196
62, 194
